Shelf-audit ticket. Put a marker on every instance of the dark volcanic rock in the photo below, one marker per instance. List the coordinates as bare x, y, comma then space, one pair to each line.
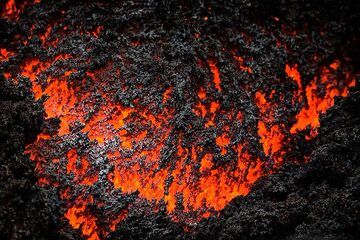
26, 211
316, 200
319, 200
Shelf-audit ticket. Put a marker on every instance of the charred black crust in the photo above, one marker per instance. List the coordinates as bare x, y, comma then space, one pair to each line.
317, 200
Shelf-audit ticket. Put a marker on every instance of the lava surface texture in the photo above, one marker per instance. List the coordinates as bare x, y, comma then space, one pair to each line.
179, 119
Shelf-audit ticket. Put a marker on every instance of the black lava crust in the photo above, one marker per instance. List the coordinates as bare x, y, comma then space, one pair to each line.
319, 199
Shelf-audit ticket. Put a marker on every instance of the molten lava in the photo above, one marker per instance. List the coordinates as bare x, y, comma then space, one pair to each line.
12, 8
136, 154
94, 144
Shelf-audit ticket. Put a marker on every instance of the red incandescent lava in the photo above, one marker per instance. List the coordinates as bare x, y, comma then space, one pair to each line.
204, 188
13, 8
99, 140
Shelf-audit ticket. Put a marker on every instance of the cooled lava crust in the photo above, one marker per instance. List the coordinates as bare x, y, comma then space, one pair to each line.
179, 120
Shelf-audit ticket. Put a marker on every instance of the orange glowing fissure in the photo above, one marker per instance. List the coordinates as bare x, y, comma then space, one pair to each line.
317, 103
12, 9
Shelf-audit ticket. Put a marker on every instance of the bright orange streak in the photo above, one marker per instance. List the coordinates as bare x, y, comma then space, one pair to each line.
78, 219
216, 74
271, 139
271, 136
241, 64
293, 73
5, 54
11, 10
317, 102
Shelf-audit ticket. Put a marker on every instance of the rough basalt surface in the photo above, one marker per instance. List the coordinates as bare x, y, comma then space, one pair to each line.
313, 199
26, 211
319, 200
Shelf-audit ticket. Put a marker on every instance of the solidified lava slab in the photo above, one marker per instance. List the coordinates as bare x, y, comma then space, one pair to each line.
185, 120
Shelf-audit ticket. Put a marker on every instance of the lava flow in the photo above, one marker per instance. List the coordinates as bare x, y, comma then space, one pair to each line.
119, 136
141, 152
